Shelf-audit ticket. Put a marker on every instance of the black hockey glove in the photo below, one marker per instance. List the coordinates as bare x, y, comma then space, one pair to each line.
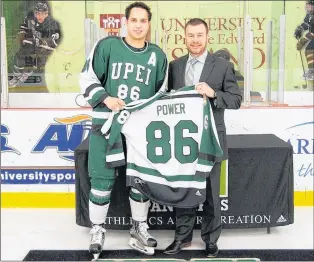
298, 32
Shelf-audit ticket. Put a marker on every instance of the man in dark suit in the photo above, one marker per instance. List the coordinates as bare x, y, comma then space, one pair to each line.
213, 77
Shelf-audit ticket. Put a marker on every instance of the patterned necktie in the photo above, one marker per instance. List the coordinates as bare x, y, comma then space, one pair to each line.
189, 76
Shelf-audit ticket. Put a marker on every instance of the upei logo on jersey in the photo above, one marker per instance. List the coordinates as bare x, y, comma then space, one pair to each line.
64, 136
206, 122
112, 23
5, 147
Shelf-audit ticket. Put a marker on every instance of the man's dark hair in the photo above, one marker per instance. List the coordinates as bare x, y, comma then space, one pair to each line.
196, 21
138, 5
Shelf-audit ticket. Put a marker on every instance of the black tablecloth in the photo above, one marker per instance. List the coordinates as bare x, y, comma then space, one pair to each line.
260, 187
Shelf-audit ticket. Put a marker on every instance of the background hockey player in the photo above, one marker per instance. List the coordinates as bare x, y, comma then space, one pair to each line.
225, 54
305, 35
119, 71
39, 35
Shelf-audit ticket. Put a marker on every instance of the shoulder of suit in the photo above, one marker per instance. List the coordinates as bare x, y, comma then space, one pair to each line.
178, 60
221, 62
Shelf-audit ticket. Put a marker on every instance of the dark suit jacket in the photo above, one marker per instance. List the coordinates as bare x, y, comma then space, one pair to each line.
220, 76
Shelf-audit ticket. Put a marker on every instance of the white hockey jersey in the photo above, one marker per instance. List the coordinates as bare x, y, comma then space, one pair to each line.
172, 145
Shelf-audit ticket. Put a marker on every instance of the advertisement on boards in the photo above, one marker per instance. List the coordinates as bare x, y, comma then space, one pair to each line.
43, 142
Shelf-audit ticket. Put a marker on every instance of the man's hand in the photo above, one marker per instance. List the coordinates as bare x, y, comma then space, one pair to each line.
205, 89
113, 103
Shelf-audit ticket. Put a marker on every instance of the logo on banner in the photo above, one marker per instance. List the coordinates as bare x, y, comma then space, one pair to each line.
302, 141
64, 136
112, 23
281, 219
5, 147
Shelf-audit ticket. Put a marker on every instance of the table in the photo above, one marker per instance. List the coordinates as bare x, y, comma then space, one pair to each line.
257, 192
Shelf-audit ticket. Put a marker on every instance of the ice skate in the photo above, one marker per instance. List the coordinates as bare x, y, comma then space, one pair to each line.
14, 81
141, 240
19, 78
97, 240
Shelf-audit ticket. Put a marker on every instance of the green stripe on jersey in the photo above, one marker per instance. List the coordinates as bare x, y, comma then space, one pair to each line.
174, 178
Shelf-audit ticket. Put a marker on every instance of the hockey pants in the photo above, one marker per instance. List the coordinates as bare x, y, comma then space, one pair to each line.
309, 53
30, 58
102, 181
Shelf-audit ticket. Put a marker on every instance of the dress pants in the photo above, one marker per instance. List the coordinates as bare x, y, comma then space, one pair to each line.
211, 216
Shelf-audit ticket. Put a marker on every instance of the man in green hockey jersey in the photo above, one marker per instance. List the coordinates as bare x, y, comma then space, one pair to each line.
119, 71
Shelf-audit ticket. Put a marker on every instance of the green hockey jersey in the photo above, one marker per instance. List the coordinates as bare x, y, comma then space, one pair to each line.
172, 145
116, 69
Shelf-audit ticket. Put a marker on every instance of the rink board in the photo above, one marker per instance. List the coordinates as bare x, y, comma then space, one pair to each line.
44, 141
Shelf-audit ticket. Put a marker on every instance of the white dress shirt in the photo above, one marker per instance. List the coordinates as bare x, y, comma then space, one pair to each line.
198, 68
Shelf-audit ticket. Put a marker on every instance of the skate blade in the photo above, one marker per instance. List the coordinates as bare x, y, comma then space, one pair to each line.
96, 256
135, 244
13, 84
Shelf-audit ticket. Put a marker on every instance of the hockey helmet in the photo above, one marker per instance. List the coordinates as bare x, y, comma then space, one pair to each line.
41, 7
309, 7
